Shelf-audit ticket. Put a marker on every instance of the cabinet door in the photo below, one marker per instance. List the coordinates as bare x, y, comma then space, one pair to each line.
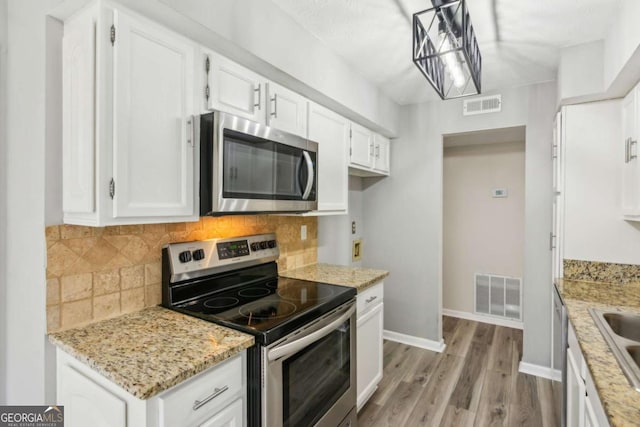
234, 89
78, 109
331, 132
575, 392
369, 353
231, 416
361, 146
630, 168
381, 153
286, 110
86, 403
153, 147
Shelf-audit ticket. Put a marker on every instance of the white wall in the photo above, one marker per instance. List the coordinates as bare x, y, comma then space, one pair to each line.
405, 210
482, 234
581, 72
334, 231
3, 197
593, 226
26, 260
622, 47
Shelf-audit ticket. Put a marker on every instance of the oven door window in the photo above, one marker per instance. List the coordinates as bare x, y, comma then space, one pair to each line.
256, 168
315, 378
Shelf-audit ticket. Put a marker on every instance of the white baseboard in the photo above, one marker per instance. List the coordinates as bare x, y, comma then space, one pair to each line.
437, 346
540, 371
484, 319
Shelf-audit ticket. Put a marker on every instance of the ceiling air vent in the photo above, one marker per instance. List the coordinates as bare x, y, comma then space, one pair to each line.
482, 105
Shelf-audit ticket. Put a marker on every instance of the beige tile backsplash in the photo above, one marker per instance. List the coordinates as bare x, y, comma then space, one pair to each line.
96, 273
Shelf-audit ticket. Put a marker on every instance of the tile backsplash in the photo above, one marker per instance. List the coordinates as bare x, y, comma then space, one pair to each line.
593, 271
95, 273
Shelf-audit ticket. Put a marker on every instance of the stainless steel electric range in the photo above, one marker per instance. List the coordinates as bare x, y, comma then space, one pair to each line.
301, 372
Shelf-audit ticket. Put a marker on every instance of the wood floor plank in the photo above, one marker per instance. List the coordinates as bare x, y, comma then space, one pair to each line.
549, 406
457, 417
500, 355
471, 379
461, 338
524, 407
434, 397
494, 403
481, 386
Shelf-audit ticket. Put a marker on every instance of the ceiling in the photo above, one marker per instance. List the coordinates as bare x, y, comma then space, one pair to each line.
374, 36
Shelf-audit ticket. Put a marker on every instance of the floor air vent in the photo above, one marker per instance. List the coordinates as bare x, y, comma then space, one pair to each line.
482, 105
499, 296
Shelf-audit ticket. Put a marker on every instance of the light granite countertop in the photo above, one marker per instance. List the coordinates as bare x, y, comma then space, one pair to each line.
620, 400
359, 278
149, 351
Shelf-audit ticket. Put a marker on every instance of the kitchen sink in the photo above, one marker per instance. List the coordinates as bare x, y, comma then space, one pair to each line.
624, 325
622, 332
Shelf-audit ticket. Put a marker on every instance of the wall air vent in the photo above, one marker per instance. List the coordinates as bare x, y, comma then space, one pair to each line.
498, 296
482, 105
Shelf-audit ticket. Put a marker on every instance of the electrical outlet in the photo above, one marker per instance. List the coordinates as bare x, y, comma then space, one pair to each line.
303, 232
353, 227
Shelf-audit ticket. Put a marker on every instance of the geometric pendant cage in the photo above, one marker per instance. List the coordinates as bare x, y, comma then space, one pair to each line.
445, 49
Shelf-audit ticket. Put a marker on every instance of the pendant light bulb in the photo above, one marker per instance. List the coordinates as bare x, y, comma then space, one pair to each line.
451, 61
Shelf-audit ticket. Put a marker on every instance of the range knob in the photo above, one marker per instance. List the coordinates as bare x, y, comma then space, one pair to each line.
184, 256
263, 245
272, 243
255, 246
198, 254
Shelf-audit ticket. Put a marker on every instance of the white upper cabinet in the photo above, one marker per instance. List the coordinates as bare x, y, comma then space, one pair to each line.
630, 167
153, 141
331, 132
381, 147
370, 152
128, 146
361, 147
231, 88
286, 110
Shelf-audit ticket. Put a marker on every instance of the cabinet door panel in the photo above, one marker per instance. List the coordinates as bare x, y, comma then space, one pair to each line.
381, 153
231, 416
331, 132
235, 89
87, 403
369, 353
153, 143
78, 99
361, 146
287, 110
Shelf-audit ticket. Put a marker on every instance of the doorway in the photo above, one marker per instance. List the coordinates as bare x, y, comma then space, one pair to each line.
483, 225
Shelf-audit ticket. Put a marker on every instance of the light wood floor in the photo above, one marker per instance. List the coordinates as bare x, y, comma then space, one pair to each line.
474, 382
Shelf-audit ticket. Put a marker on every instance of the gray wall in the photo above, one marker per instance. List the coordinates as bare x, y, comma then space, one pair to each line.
404, 214
334, 231
3, 195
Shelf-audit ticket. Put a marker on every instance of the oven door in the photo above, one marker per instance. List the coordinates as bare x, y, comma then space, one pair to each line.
311, 374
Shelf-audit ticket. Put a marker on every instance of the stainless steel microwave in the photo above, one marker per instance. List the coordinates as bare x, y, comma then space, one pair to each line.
246, 167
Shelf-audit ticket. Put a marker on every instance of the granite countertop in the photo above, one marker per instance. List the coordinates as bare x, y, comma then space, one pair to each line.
359, 278
149, 351
620, 400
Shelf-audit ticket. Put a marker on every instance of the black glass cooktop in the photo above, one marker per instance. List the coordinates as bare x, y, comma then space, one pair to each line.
269, 308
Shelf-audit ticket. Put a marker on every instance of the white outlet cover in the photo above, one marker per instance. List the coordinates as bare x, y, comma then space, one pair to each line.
303, 232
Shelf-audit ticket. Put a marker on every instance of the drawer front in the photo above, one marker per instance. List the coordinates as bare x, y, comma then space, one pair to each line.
201, 396
370, 298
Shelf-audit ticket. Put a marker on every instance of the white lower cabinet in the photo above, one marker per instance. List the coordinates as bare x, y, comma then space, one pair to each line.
213, 398
369, 342
583, 404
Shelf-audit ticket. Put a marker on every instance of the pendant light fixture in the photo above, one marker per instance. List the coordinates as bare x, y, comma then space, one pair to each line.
445, 49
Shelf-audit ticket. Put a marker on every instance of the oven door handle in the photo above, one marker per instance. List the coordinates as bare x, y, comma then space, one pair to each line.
299, 344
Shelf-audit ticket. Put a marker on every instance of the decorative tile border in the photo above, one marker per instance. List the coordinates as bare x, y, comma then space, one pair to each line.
94, 273
593, 271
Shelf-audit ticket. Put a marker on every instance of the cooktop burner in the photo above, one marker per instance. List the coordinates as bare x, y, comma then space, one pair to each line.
247, 295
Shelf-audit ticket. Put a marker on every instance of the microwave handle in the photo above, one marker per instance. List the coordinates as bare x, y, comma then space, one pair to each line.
310, 175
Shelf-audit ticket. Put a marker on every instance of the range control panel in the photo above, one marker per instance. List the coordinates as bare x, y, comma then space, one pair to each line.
189, 257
